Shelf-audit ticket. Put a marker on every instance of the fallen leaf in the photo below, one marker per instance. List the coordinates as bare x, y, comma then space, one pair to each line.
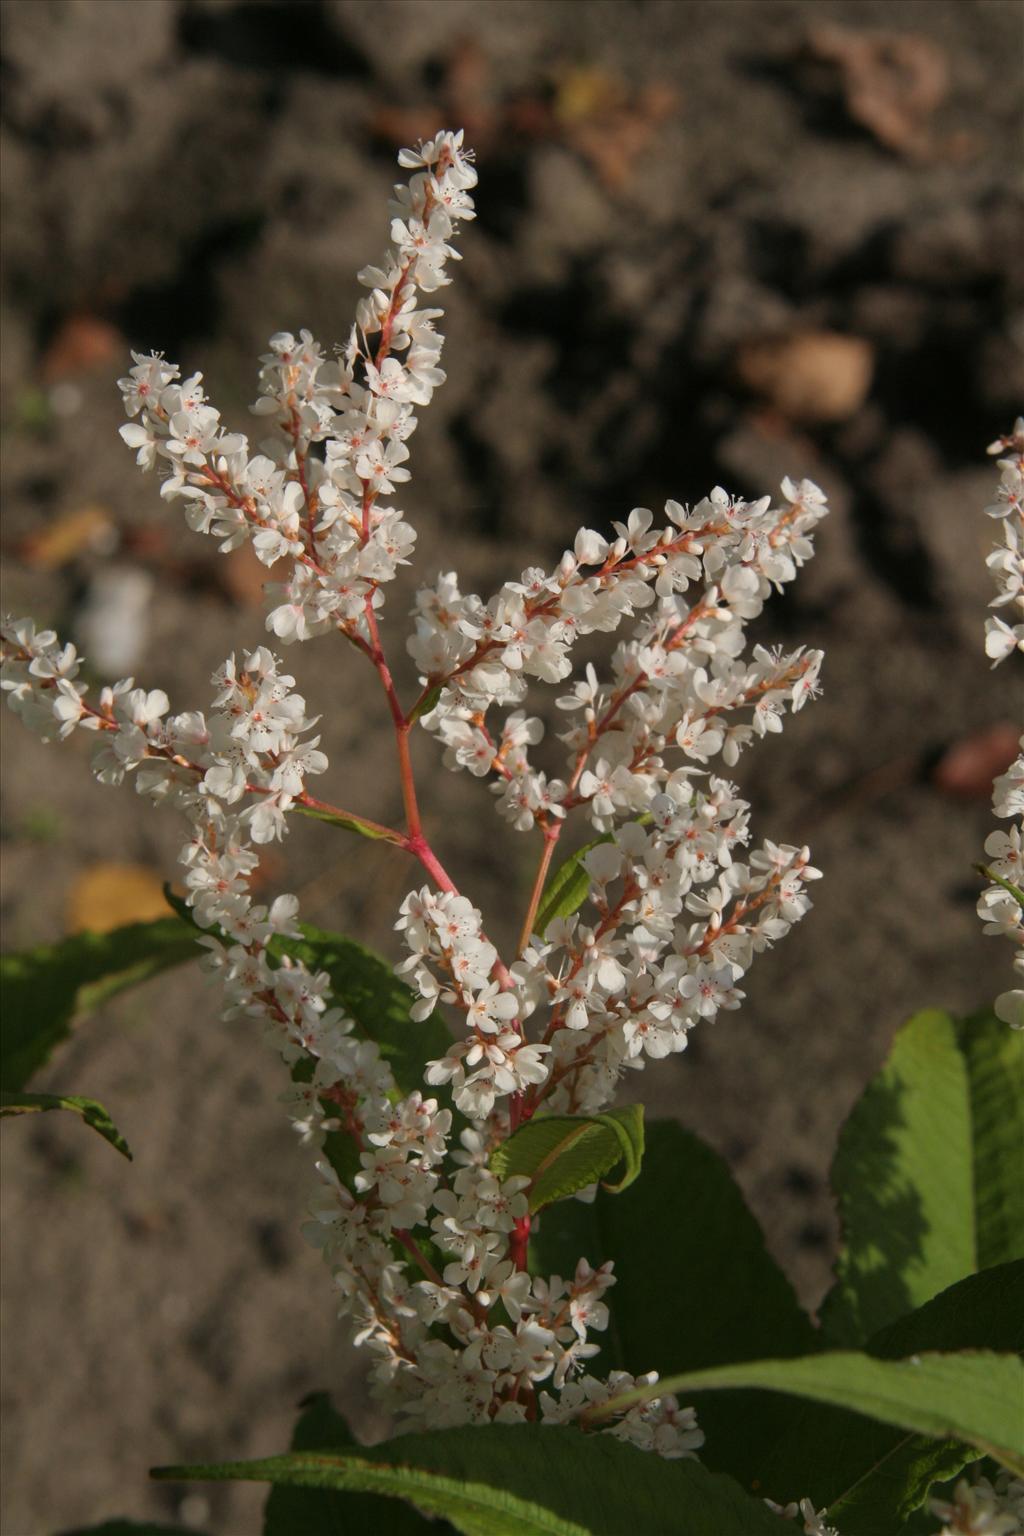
608, 123
813, 376
584, 93
108, 896
967, 767
81, 342
243, 576
605, 119
891, 82
86, 530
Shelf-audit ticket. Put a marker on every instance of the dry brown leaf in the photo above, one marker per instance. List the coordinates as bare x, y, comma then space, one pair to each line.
584, 94
892, 82
106, 896
243, 576
87, 529
81, 342
813, 376
600, 116
606, 122
406, 125
967, 768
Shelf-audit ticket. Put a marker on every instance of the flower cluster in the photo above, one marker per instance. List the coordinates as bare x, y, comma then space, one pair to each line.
679, 680
323, 514
982, 1508
1001, 904
1006, 562
428, 1246
813, 1520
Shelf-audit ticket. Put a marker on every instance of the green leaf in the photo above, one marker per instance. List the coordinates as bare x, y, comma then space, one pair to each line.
93, 1114
973, 1396
561, 1154
523, 1480
297, 1511
370, 829
566, 891
926, 1172
984, 1311
870, 1474
46, 989
424, 705
695, 1284
994, 1055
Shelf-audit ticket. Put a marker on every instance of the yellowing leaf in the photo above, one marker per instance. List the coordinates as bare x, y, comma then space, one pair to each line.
109, 896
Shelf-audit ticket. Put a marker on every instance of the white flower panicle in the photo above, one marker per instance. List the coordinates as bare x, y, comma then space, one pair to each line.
679, 679
428, 1247
321, 512
1001, 905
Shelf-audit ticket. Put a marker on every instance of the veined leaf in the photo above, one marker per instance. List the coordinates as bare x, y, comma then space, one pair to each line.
521, 1480
561, 1154
994, 1055
927, 1172
695, 1285
46, 989
370, 829
567, 888
971, 1396
93, 1114
870, 1474
297, 1511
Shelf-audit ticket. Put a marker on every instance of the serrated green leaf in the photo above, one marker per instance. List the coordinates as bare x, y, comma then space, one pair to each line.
91, 1112
523, 1480
561, 1154
927, 1172
870, 1474
295, 1511
45, 989
972, 1396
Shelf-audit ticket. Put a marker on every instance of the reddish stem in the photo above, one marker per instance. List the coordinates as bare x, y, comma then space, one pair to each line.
520, 1241
552, 832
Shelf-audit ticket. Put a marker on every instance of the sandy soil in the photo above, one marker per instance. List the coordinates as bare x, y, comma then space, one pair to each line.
662, 186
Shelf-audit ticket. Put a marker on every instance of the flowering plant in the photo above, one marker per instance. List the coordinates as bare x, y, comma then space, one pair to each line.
471, 1202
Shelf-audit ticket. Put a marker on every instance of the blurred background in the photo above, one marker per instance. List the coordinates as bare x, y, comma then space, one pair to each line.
718, 242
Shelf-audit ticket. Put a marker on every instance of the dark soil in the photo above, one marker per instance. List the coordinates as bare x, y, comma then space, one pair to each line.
661, 185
